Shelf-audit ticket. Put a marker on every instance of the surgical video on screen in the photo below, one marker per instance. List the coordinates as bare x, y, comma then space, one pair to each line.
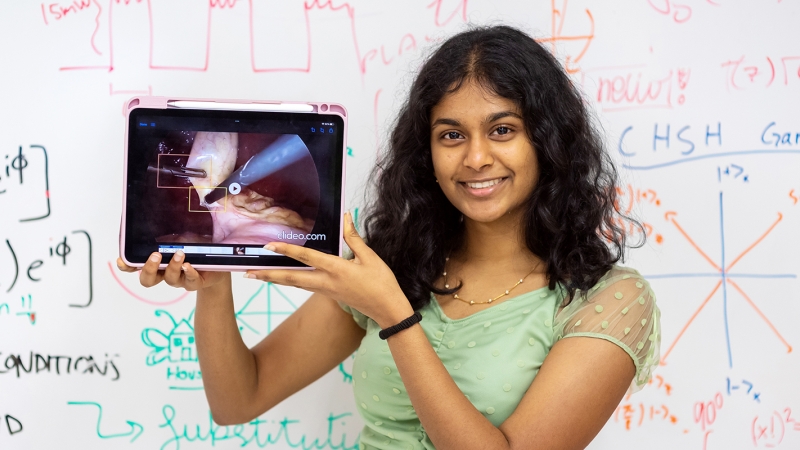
233, 188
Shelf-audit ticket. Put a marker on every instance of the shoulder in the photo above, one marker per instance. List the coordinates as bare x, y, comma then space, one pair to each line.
620, 285
620, 308
620, 289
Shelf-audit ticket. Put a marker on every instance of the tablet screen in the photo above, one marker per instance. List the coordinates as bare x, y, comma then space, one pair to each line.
219, 185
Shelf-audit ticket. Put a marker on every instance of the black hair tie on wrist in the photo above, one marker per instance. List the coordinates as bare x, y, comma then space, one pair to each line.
406, 323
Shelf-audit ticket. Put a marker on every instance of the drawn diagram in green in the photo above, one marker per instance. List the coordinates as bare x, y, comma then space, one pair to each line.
173, 344
278, 307
176, 344
277, 304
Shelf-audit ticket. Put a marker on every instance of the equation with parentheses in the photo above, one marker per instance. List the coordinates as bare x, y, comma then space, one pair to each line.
25, 183
761, 71
769, 430
69, 255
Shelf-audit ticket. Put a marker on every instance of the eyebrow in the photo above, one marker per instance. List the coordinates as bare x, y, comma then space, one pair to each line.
444, 121
489, 119
500, 115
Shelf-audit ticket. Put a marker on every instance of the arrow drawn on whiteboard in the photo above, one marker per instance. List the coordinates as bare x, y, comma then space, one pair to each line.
134, 426
670, 217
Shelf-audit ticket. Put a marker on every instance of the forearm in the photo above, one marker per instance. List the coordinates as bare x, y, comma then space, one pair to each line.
228, 366
451, 421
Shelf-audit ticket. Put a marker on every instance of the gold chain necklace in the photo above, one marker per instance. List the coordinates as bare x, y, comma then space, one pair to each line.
473, 302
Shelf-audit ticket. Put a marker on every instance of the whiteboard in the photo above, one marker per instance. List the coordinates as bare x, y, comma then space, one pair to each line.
697, 101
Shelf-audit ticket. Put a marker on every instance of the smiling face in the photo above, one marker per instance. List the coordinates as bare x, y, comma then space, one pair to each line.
482, 158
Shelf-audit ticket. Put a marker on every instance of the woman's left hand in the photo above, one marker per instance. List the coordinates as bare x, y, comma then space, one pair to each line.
365, 283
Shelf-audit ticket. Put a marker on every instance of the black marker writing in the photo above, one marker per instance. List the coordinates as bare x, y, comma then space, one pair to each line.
61, 252
15, 169
13, 424
62, 365
18, 163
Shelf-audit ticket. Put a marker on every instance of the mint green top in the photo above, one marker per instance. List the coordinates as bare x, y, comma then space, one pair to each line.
494, 354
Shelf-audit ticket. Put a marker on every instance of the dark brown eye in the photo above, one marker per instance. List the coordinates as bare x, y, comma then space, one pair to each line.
502, 130
452, 135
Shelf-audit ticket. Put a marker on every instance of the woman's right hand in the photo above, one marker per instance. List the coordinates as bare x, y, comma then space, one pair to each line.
177, 274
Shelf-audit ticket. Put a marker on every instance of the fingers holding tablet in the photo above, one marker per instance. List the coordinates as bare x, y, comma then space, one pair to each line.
177, 274
124, 267
193, 280
173, 274
150, 276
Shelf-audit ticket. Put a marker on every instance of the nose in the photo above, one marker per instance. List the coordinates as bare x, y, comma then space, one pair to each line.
478, 155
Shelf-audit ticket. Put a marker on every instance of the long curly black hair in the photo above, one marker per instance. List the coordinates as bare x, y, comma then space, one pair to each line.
572, 219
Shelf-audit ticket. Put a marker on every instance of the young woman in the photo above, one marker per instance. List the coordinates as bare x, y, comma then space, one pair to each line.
494, 217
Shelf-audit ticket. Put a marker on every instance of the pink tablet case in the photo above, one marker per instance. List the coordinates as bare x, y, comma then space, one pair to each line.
151, 102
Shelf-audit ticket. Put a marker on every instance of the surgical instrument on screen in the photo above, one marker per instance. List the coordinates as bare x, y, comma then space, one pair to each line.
176, 171
283, 152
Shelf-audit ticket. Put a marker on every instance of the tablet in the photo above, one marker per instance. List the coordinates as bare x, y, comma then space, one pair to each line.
220, 179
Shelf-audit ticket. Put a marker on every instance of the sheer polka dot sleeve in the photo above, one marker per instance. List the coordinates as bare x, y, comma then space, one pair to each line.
360, 319
620, 308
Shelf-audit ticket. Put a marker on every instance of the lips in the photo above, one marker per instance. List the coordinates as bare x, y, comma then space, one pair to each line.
483, 188
483, 184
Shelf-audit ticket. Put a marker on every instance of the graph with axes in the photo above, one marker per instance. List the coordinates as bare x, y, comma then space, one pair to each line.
721, 268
